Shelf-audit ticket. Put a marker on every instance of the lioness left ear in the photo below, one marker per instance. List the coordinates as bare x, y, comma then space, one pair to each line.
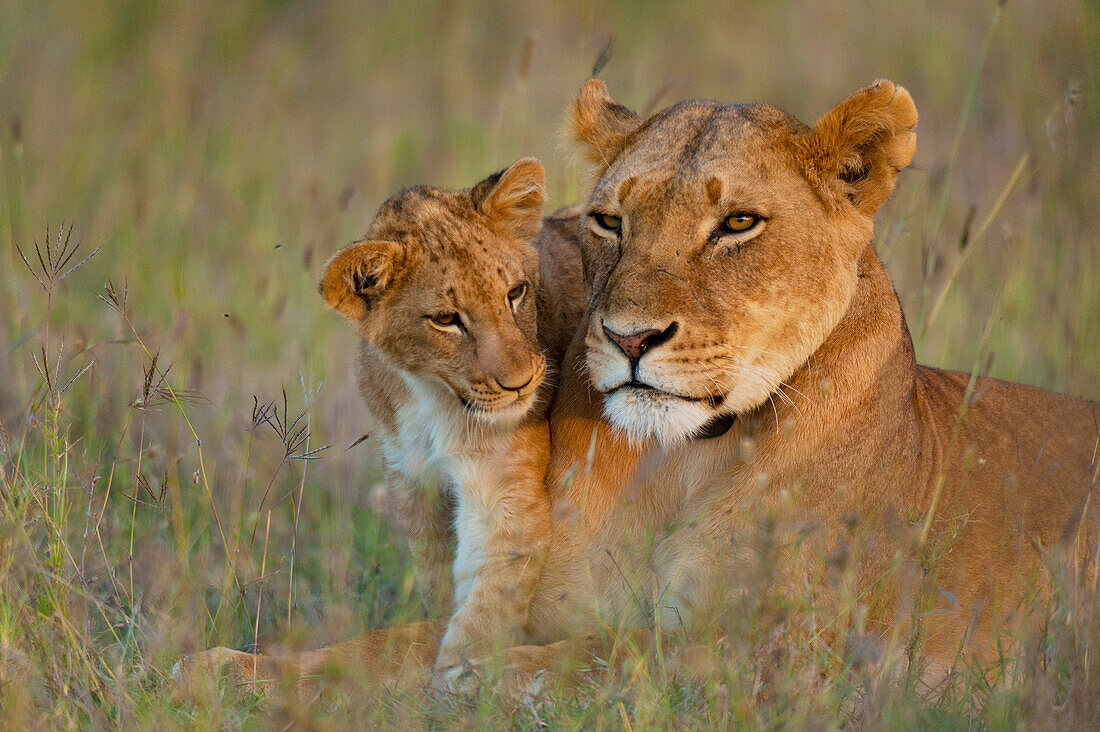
357, 274
513, 198
857, 148
601, 124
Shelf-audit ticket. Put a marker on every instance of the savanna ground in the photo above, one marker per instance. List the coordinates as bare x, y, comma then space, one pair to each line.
159, 494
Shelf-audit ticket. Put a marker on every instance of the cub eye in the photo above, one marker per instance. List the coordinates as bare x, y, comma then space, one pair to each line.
446, 320
607, 222
516, 293
738, 222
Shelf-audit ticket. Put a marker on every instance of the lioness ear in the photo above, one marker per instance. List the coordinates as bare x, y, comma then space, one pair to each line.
601, 124
513, 197
357, 275
857, 149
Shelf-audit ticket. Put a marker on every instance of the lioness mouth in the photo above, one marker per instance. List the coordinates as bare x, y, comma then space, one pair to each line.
713, 400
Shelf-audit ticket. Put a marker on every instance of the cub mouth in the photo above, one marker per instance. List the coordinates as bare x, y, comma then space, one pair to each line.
499, 404
711, 400
495, 410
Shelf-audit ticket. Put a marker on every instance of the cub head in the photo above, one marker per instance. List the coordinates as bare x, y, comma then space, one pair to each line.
444, 287
721, 244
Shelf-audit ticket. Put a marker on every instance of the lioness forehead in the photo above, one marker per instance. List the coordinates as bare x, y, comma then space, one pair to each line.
697, 136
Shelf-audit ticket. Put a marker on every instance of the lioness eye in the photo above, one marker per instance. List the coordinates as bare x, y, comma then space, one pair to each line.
608, 222
517, 292
445, 320
739, 222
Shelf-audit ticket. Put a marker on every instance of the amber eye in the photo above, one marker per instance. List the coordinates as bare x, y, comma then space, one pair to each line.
446, 320
607, 222
739, 222
516, 293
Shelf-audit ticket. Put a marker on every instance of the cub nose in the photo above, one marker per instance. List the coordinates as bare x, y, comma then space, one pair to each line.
515, 382
635, 344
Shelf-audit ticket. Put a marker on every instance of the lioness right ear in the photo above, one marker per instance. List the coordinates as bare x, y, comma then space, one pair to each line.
857, 148
357, 275
601, 124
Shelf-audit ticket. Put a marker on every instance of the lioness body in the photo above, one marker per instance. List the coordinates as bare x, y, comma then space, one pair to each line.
745, 379
870, 449
728, 252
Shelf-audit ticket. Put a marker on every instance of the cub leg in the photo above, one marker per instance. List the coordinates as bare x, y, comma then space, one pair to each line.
503, 524
424, 510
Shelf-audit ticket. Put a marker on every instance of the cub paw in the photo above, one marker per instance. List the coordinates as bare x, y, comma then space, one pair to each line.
463, 678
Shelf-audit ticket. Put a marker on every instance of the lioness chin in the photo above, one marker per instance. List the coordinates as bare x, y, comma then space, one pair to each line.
745, 370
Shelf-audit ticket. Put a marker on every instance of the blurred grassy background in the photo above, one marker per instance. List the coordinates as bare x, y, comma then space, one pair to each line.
220, 152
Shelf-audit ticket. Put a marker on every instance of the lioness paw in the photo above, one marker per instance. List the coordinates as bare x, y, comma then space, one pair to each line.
222, 667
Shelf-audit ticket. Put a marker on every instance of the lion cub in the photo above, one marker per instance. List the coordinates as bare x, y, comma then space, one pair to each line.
460, 306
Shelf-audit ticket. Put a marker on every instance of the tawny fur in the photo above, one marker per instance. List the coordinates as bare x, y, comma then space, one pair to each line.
794, 329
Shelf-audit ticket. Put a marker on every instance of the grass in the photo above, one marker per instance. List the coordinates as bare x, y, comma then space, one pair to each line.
180, 463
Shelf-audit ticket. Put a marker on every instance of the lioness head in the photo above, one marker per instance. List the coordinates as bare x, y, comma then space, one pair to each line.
444, 287
721, 244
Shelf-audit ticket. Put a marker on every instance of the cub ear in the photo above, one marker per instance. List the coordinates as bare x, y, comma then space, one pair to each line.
857, 149
358, 274
600, 124
513, 198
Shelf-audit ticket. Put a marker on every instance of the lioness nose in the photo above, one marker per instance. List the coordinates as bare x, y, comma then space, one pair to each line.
635, 344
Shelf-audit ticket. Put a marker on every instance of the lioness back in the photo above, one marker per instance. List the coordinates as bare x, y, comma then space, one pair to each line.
463, 306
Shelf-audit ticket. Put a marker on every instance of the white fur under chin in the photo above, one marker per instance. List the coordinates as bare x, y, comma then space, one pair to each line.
644, 414
507, 417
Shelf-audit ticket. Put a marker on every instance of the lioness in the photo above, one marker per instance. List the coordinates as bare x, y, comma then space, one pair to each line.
745, 364
455, 349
